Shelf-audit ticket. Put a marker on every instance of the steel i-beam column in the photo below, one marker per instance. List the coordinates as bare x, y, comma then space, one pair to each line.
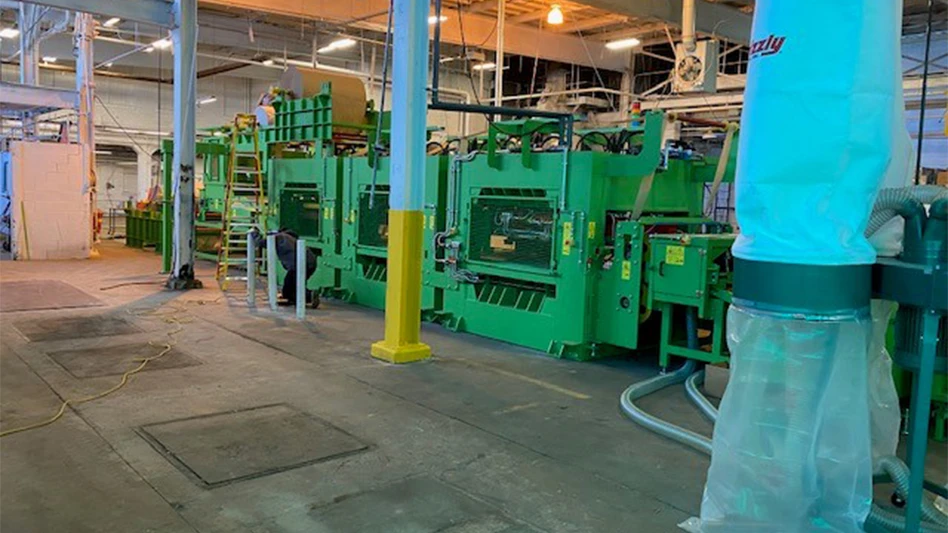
184, 38
85, 86
402, 342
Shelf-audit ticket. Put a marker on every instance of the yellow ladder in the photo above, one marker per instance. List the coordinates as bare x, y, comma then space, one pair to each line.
244, 202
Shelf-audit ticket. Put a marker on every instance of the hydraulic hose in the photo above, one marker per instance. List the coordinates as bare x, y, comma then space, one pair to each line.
889, 202
639, 390
703, 404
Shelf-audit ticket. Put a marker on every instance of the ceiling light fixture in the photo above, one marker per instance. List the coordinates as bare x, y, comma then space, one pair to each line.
103, 152
338, 44
111, 22
9, 33
149, 50
162, 44
49, 59
555, 16
484, 66
432, 20
207, 100
267, 62
622, 44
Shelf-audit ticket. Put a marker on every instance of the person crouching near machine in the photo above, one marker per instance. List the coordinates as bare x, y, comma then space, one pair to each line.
286, 240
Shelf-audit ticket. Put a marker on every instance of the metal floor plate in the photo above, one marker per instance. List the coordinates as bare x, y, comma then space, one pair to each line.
116, 360
34, 295
223, 448
76, 327
416, 505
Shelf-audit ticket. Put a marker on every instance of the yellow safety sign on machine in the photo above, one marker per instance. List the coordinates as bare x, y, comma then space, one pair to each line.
675, 255
626, 270
592, 230
567, 237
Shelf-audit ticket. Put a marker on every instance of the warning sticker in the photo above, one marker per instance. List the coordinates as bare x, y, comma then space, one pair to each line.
626, 270
567, 237
592, 230
675, 255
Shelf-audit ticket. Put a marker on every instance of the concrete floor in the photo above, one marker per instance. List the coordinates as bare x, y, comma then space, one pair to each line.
258, 423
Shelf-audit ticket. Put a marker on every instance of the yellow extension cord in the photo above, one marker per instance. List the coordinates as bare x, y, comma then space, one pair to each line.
169, 318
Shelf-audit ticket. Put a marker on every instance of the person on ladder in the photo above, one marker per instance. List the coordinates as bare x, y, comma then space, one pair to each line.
286, 253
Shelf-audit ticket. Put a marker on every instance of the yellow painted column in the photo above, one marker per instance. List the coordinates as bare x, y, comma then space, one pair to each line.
402, 342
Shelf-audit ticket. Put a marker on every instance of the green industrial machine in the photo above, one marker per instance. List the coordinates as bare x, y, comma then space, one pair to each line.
690, 272
365, 231
306, 191
567, 250
549, 249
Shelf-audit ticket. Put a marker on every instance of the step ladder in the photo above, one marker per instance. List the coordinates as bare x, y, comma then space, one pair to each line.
244, 203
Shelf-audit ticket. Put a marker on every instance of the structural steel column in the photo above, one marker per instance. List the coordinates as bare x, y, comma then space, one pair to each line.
85, 86
184, 37
402, 342
499, 58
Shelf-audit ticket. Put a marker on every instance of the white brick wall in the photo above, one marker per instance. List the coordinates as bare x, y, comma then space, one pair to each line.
47, 189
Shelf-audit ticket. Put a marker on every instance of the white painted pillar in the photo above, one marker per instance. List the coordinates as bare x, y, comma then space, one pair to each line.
184, 37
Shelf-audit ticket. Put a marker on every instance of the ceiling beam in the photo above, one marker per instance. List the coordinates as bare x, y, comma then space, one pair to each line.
633, 31
590, 23
479, 30
156, 12
711, 19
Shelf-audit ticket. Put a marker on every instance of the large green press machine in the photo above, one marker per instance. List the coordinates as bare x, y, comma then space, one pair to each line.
566, 251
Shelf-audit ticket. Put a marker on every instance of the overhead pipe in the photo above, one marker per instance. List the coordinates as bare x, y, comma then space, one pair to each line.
688, 24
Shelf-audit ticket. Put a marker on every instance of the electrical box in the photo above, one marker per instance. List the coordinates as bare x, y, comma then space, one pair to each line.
696, 71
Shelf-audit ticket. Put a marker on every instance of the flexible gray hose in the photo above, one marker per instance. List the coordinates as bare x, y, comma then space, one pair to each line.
882, 519
702, 403
899, 473
889, 201
639, 390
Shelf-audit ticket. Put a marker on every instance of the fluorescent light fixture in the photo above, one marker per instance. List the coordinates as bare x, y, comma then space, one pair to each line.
9, 33
207, 100
103, 152
111, 22
268, 62
150, 49
622, 44
49, 59
338, 44
484, 66
432, 20
108, 65
161, 44
555, 16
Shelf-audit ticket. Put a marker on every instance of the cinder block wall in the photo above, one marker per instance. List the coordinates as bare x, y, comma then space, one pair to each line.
50, 212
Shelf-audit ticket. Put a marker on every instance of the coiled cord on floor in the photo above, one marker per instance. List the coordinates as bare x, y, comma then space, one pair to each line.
172, 317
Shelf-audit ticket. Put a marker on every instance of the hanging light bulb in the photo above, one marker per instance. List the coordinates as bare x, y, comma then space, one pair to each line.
555, 16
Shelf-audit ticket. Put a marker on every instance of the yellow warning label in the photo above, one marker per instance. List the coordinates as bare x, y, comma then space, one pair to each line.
431, 222
326, 213
675, 255
567, 237
592, 230
332, 212
626, 270
352, 216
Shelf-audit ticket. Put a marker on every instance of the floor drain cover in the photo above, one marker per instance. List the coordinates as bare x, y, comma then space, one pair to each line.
421, 504
76, 327
116, 360
226, 447
38, 294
